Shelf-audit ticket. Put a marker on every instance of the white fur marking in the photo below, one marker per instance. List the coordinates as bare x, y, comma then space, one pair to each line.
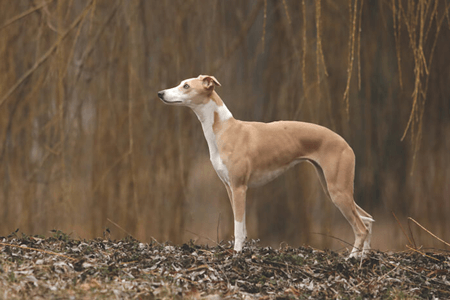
205, 114
239, 234
367, 219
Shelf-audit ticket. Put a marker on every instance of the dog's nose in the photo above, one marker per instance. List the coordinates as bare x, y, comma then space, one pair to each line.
161, 94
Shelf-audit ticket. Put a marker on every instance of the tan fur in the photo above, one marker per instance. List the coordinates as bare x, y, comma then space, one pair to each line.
247, 154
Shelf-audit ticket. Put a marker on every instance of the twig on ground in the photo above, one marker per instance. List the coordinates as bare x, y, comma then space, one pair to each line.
429, 232
415, 250
118, 226
334, 237
39, 250
205, 237
403, 230
217, 233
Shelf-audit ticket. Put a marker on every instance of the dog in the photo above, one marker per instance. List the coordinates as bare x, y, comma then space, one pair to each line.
248, 154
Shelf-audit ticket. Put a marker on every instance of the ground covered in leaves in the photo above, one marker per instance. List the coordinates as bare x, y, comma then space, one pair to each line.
60, 267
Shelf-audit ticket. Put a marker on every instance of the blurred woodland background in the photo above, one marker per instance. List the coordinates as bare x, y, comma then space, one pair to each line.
85, 144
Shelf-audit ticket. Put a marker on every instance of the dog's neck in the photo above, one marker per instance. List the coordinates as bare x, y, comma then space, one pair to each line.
210, 114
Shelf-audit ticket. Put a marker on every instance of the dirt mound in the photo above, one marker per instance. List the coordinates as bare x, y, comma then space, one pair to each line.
59, 266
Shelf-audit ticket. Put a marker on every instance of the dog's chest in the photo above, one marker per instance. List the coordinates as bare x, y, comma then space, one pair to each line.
219, 166
214, 156
208, 116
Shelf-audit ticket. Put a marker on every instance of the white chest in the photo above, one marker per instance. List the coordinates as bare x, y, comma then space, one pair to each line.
205, 114
220, 167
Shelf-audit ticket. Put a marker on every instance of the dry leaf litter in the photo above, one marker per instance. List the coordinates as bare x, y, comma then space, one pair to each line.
61, 267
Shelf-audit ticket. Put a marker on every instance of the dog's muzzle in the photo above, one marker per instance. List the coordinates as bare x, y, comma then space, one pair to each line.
161, 96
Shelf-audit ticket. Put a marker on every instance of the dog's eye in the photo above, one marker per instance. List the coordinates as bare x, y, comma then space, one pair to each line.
186, 86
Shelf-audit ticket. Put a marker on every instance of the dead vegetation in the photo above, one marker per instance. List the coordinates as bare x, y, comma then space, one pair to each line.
62, 267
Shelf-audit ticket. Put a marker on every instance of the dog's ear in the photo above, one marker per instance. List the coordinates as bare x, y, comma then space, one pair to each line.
209, 81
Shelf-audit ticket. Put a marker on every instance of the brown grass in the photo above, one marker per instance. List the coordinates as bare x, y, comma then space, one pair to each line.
84, 139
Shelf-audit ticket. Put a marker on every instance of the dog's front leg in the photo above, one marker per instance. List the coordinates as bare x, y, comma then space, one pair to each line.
238, 201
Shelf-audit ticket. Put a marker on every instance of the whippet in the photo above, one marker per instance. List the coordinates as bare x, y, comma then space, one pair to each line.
247, 154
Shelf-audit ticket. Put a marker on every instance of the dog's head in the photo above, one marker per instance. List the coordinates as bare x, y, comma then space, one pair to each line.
190, 92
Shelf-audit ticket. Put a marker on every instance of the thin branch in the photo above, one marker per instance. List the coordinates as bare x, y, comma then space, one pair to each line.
304, 44
24, 14
333, 237
420, 252
264, 26
287, 11
39, 250
429, 232
44, 57
118, 160
118, 226
351, 57
403, 230
205, 237
217, 233
250, 19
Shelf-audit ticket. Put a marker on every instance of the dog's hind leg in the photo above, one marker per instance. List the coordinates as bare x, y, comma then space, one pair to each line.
368, 220
337, 176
